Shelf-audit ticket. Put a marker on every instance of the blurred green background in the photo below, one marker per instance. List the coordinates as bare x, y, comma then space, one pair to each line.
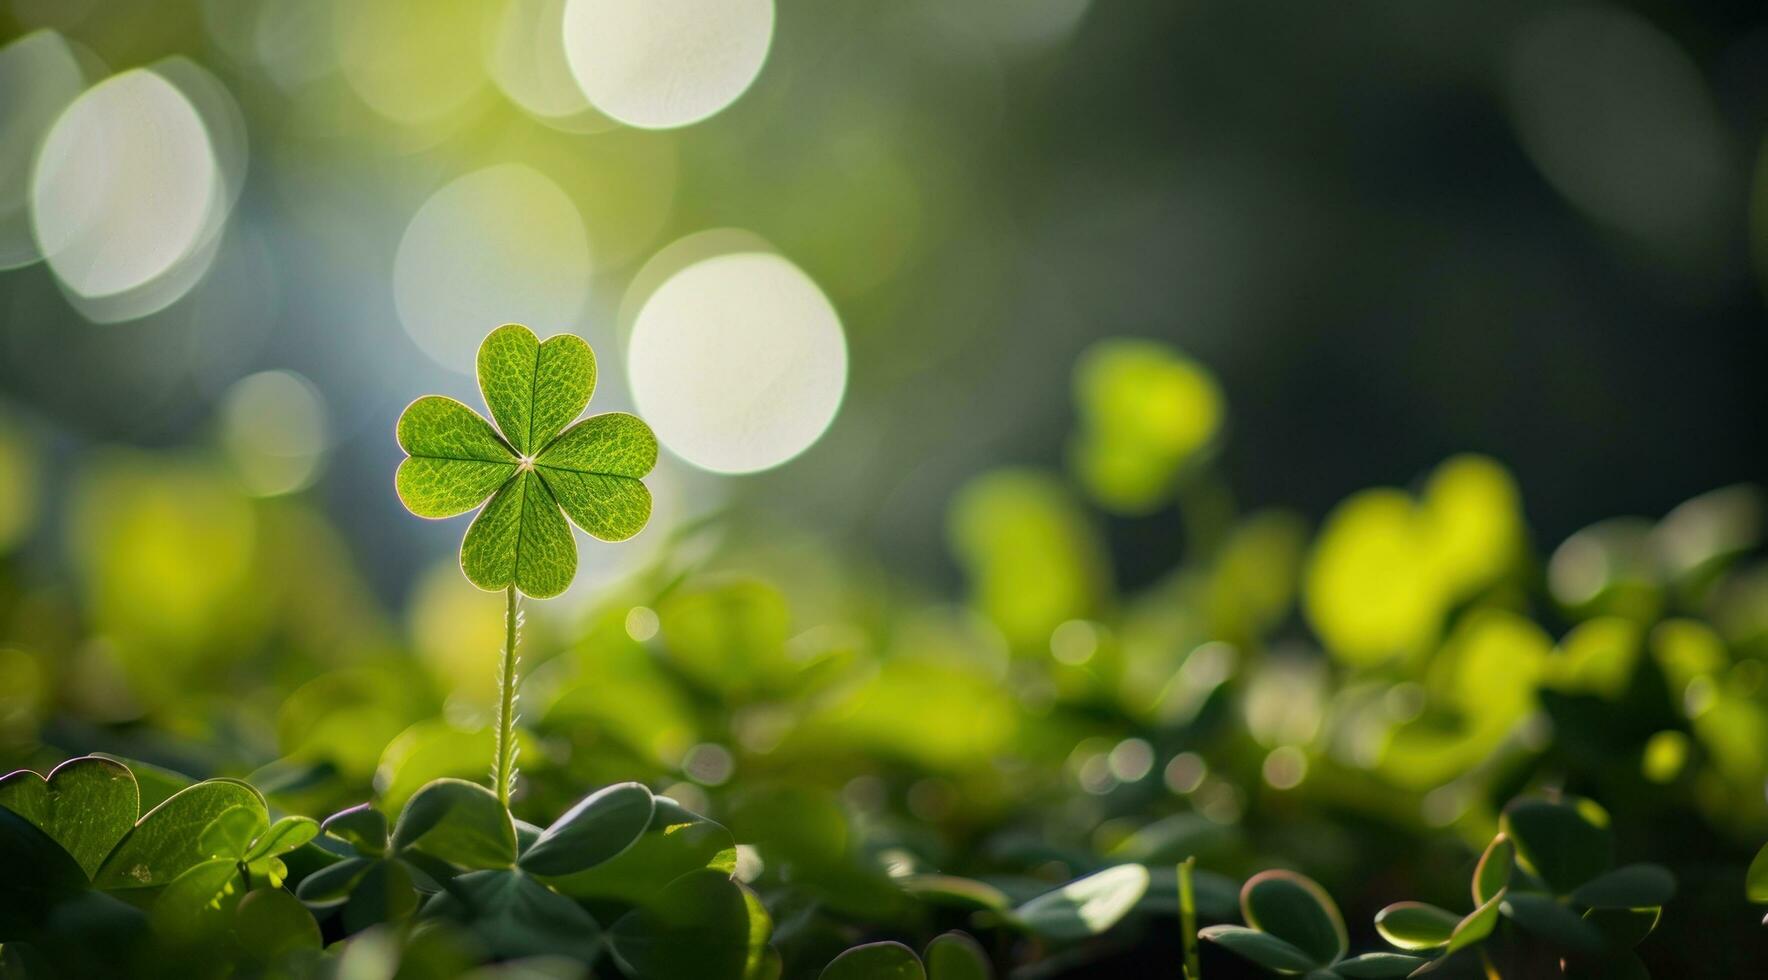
1034, 591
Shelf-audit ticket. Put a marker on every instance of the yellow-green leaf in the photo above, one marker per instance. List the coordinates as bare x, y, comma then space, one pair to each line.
520, 537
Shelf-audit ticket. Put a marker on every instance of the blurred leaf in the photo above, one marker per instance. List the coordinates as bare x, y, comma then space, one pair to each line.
1492, 873
702, 925
164, 843
1145, 411
86, 805
1084, 907
459, 822
1475, 516
875, 961
1373, 589
1630, 887
600, 826
270, 922
955, 891
515, 915
1296, 910
1415, 925
1260, 947
1554, 922
1032, 560
1557, 842
382, 893
956, 956
1756, 881
728, 636
431, 750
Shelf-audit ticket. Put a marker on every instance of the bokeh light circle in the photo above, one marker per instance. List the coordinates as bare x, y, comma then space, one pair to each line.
738, 362
500, 245
39, 77
125, 185
273, 427
660, 64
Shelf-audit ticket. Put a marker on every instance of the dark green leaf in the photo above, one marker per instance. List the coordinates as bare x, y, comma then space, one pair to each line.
199, 902
1756, 881
383, 893
875, 961
1260, 947
1415, 925
86, 805
955, 891
270, 922
1378, 965
514, 915
165, 842
1295, 909
1558, 842
1631, 887
1084, 907
459, 822
599, 827
362, 827
1622, 965
676, 843
1624, 928
703, 926
331, 884
35, 876
1546, 918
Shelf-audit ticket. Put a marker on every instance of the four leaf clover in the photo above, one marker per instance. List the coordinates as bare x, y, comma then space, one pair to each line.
532, 465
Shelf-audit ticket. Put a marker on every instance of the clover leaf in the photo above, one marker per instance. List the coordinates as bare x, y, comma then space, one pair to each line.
532, 465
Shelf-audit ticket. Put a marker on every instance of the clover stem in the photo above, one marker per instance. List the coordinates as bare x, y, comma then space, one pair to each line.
504, 768
1188, 919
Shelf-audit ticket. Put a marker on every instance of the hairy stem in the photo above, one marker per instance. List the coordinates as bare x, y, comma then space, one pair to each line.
1188, 919
504, 767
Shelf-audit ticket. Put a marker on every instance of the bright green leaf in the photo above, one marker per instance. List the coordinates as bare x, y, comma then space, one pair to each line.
1492, 873
231, 833
1415, 925
594, 469
165, 842
455, 461
283, 836
534, 389
1631, 887
1084, 907
1260, 947
600, 826
1546, 918
520, 537
1297, 910
86, 805
1477, 925
956, 956
955, 891
875, 961
459, 822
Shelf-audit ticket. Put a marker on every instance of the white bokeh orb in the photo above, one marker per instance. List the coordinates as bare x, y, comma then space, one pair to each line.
738, 362
274, 430
125, 187
39, 76
500, 245
660, 64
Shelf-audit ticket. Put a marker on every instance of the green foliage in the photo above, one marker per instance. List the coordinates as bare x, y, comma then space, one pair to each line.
1084, 907
85, 805
527, 466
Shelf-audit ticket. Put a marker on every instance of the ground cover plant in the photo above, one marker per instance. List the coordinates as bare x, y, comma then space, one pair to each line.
756, 760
